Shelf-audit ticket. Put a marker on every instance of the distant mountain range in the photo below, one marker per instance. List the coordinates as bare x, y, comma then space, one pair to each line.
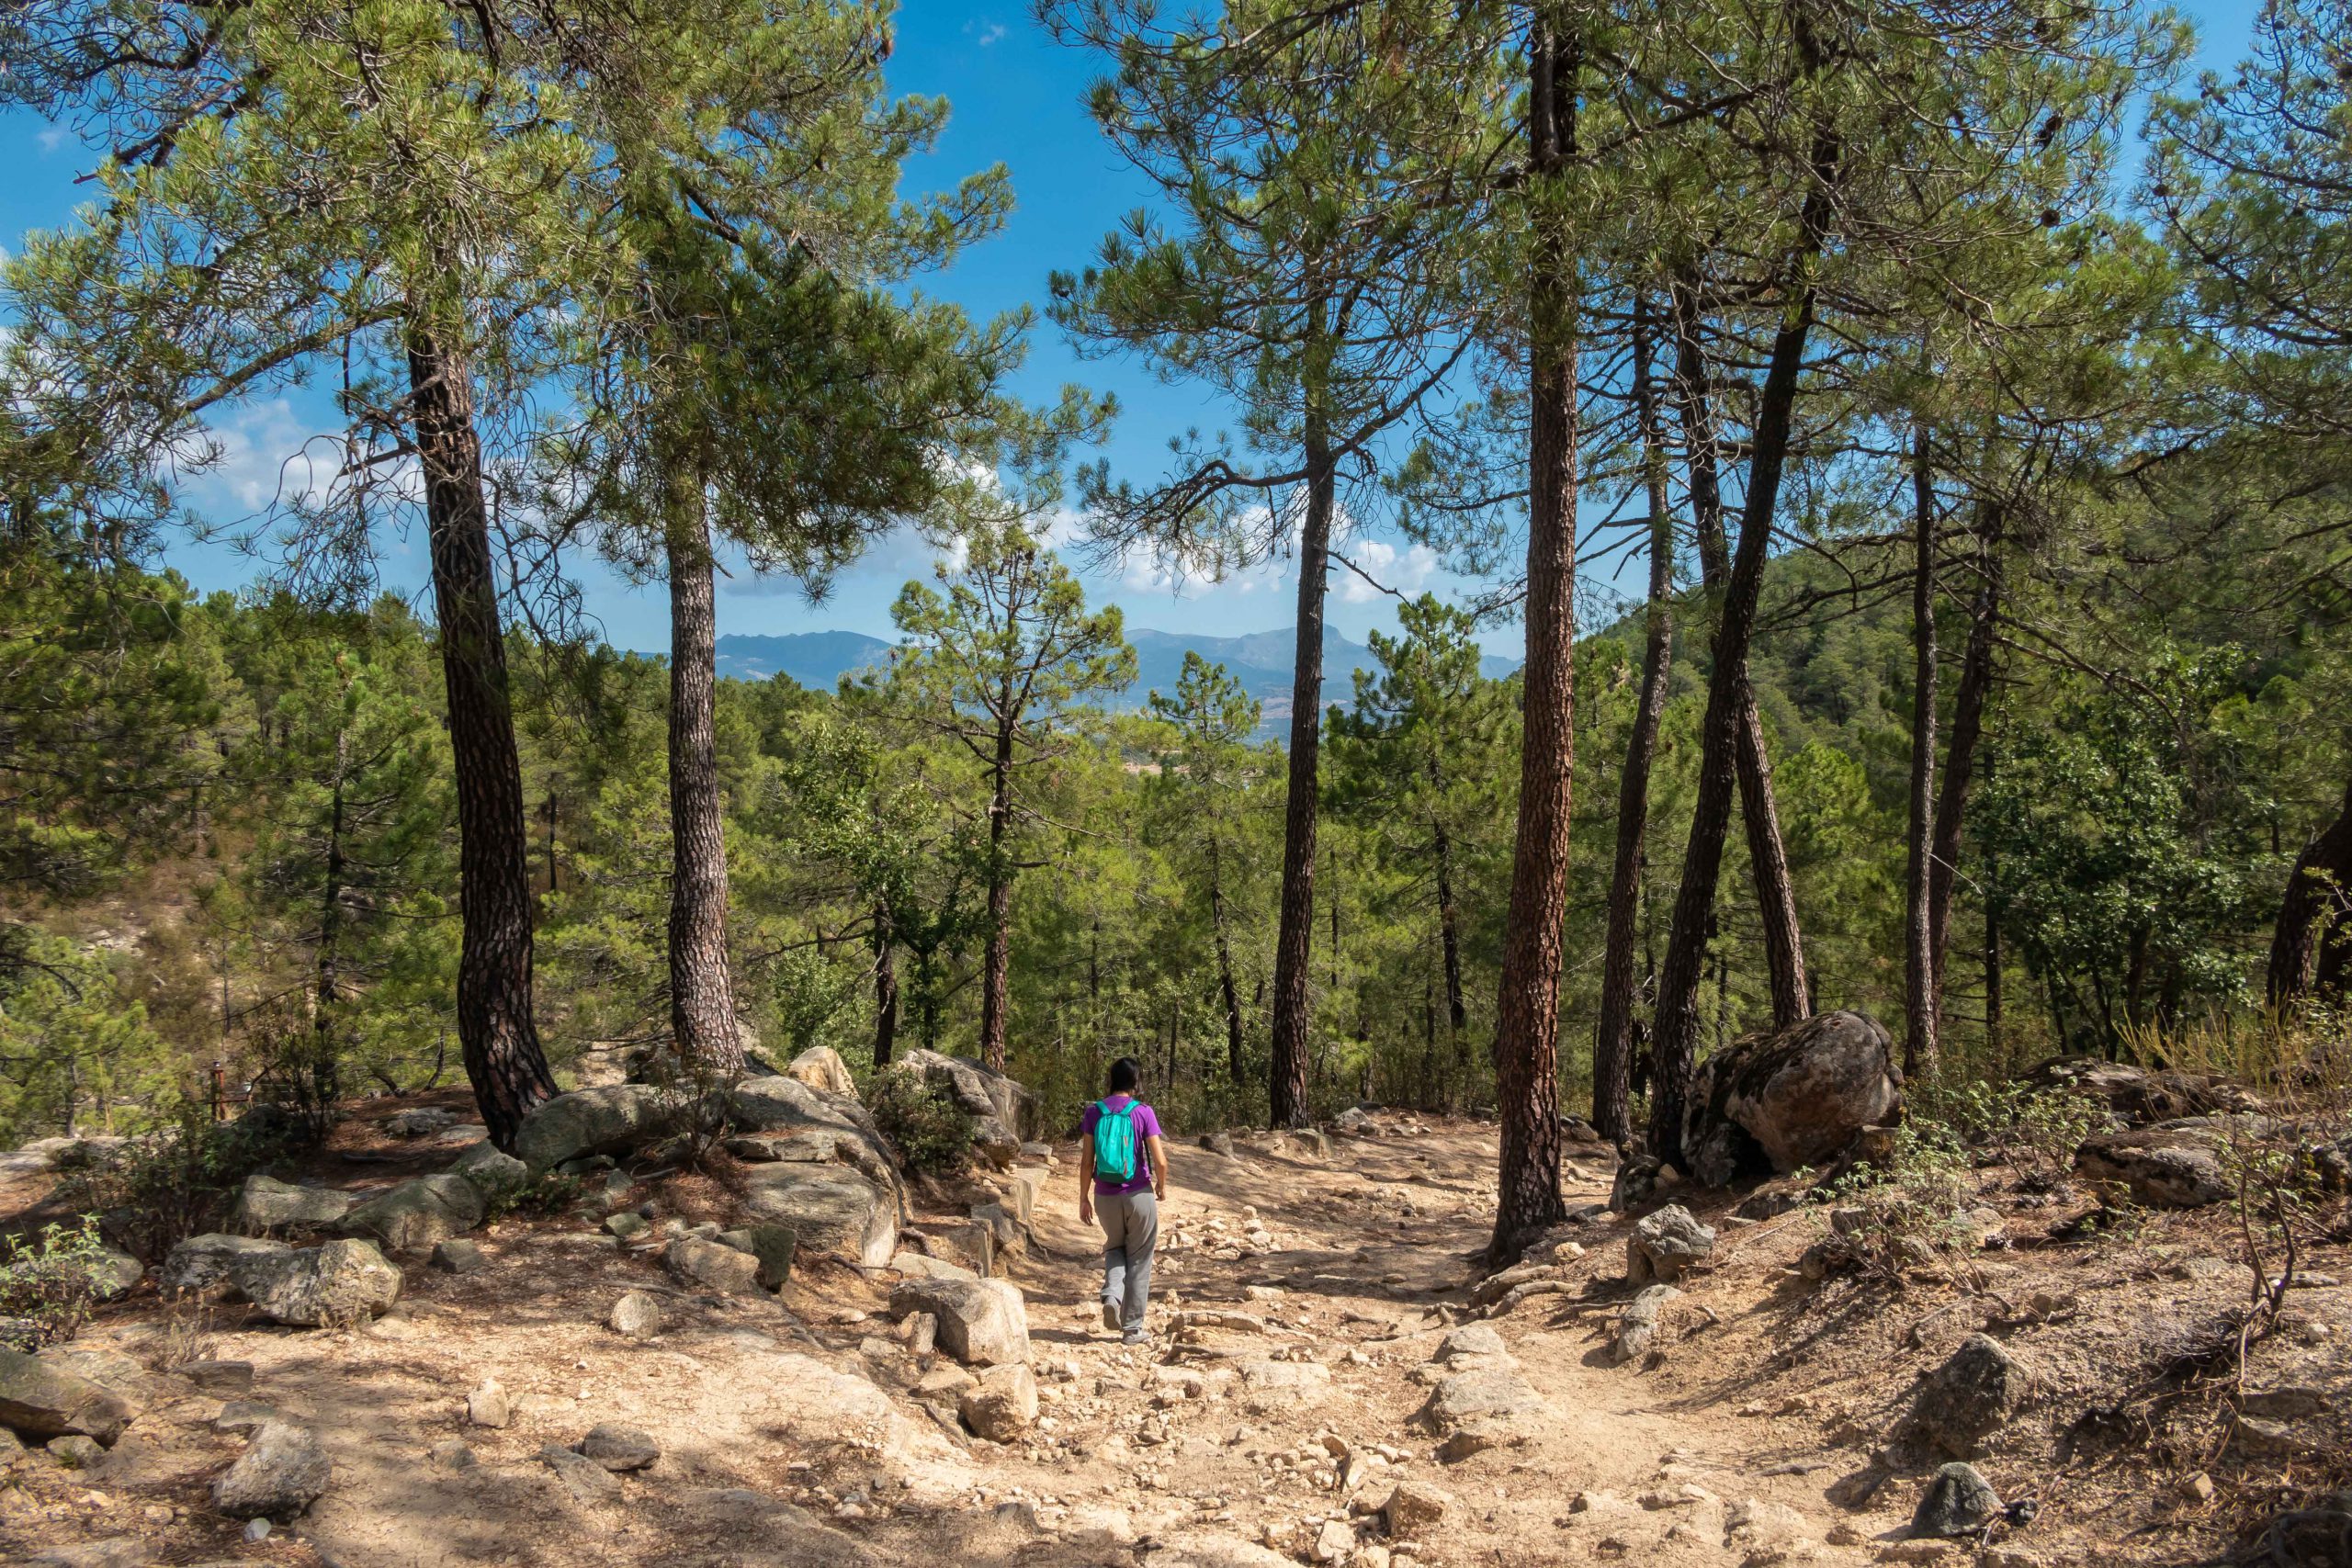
1260, 661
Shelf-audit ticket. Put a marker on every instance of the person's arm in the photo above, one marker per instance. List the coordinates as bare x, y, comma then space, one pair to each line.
1158, 1151
1086, 1181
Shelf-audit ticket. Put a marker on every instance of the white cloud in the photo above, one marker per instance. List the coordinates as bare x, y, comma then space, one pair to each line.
1406, 570
984, 33
52, 137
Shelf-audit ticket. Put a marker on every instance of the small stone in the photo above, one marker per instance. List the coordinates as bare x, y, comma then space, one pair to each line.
257, 1531
488, 1405
1003, 1403
619, 1448
282, 1471
1665, 1244
635, 1315
459, 1256
2197, 1488
1335, 1542
627, 1224
587, 1481
217, 1377
1959, 1501
242, 1417
1412, 1507
76, 1453
452, 1453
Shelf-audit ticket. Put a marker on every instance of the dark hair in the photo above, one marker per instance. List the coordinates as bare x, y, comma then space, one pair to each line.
1125, 1073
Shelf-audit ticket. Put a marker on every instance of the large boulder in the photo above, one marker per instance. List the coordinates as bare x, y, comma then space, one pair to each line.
829, 1208
419, 1213
336, 1285
2141, 1095
1781, 1102
199, 1265
612, 1120
2172, 1165
1002, 1109
822, 1067
269, 1204
282, 1471
982, 1322
42, 1397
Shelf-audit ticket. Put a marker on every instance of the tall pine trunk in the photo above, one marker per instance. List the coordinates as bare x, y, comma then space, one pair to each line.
1767, 856
1919, 999
702, 1002
326, 1065
1675, 1048
1612, 1045
2310, 947
1295, 937
1967, 730
886, 988
495, 1028
996, 973
1226, 990
1527, 1011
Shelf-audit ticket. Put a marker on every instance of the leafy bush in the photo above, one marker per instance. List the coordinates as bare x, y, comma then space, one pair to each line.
932, 1133
177, 1182
1913, 1212
47, 1285
2033, 1131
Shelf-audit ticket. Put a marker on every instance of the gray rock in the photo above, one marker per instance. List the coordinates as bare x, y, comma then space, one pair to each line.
587, 1481
452, 1453
110, 1370
488, 1405
1003, 1112
829, 1208
282, 1471
1638, 1324
634, 1317
802, 1145
968, 1244
1469, 1340
619, 1448
981, 1321
2172, 1165
419, 1213
257, 1531
77, 1453
627, 1224
1665, 1243
2138, 1096
773, 1246
713, 1265
459, 1256
1965, 1400
1219, 1144
1475, 1411
498, 1176
114, 1273
1799, 1097
242, 1417
199, 1265
123, 1551
1002, 1404
340, 1283
40, 1397
613, 1119
922, 1266
217, 1376
423, 1122
269, 1204
1958, 1502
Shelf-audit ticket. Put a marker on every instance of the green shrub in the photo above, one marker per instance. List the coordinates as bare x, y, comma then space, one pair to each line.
178, 1181
932, 1133
48, 1283
1914, 1212
2033, 1131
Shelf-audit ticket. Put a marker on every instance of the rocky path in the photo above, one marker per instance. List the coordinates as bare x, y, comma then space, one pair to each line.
1320, 1388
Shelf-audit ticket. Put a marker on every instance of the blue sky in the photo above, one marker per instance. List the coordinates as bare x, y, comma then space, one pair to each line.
1017, 99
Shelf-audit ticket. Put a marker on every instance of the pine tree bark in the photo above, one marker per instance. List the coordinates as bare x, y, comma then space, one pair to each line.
1295, 937
1767, 856
1226, 990
326, 1064
885, 989
1920, 1002
1675, 1051
996, 974
1967, 730
1527, 1011
702, 1001
1613, 1044
2311, 950
495, 1029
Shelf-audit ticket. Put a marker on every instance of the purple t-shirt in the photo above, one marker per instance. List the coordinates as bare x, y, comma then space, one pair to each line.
1147, 1126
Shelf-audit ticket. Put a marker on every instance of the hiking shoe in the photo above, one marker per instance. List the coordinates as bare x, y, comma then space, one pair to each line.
1134, 1337
1111, 1318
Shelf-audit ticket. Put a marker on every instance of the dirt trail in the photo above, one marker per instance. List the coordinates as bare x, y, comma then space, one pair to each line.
1277, 1406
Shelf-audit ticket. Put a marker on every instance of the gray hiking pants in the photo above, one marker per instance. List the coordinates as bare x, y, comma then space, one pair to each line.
1130, 1222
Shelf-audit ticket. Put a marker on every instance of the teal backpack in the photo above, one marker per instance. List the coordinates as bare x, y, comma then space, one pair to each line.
1116, 1155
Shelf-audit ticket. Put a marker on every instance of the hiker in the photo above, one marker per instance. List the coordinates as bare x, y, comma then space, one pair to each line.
1123, 1173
